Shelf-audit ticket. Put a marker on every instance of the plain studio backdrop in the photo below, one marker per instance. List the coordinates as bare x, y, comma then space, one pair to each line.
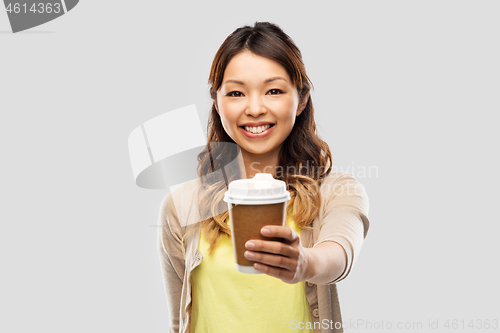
405, 95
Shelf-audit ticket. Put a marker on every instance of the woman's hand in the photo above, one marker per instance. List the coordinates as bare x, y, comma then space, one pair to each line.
288, 261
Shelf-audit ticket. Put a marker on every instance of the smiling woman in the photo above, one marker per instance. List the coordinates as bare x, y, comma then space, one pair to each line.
261, 102
258, 104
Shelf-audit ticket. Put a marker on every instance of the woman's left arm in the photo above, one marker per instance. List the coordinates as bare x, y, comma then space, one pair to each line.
343, 226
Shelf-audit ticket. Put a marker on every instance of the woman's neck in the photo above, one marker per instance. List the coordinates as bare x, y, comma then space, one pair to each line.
260, 163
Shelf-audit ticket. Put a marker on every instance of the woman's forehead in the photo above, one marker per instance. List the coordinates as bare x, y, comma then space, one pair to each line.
247, 66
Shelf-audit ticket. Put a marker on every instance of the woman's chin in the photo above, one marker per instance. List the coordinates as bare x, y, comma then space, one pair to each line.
256, 150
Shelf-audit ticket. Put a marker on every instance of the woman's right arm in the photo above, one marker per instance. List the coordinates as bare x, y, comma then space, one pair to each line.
172, 259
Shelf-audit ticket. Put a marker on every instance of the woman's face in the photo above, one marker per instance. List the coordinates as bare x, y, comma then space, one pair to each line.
257, 91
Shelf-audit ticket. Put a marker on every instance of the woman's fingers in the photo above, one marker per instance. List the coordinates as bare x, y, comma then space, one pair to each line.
282, 274
278, 259
287, 260
272, 247
279, 231
272, 260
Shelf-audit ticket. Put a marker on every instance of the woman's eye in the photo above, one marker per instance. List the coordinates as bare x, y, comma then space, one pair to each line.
235, 94
275, 92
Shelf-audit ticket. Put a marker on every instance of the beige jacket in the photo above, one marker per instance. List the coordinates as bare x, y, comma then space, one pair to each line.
343, 218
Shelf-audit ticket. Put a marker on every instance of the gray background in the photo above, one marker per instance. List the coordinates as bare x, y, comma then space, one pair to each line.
410, 87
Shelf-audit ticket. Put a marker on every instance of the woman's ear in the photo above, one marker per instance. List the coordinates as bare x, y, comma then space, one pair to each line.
216, 107
302, 104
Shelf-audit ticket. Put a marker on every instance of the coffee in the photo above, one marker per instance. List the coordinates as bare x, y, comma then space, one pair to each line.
253, 204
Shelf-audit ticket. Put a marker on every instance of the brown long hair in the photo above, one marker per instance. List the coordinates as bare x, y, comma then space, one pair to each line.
305, 157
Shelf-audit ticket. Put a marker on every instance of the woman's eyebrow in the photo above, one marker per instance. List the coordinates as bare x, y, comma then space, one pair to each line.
274, 78
271, 79
234, 81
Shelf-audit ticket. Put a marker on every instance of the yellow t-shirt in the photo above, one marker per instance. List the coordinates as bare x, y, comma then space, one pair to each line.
225, 300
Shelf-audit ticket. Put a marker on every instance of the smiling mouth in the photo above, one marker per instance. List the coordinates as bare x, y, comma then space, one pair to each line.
258, 129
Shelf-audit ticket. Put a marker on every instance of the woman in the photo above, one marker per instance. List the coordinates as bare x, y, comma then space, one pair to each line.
261, 103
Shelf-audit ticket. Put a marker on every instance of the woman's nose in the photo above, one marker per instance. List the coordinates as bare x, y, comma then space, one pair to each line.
255, 107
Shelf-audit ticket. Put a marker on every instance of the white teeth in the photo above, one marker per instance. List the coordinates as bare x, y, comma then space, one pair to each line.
258, 129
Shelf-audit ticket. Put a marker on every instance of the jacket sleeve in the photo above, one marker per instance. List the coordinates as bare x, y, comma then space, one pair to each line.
344, 217
172, 261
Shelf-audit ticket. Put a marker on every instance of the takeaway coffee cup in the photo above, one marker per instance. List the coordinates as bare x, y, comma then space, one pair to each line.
253, 204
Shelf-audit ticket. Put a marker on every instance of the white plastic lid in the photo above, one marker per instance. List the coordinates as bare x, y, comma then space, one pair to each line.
261, 189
